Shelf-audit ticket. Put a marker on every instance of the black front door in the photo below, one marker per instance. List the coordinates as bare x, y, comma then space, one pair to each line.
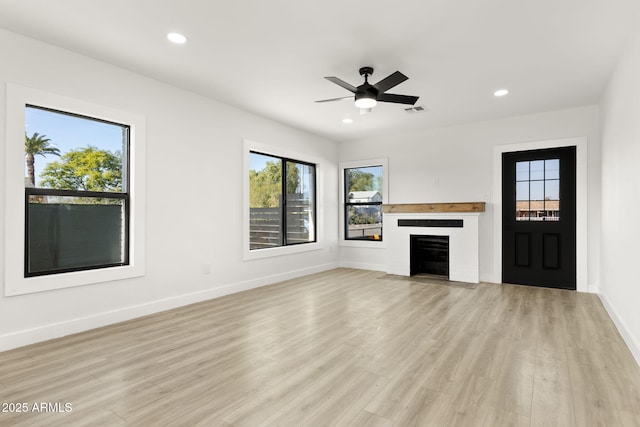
539, 217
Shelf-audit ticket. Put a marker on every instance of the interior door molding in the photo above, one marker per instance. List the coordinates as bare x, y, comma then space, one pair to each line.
581, 203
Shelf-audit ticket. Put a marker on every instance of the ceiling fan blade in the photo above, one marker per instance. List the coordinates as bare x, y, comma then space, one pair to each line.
342, 83
336, 99
398, 99
390, 81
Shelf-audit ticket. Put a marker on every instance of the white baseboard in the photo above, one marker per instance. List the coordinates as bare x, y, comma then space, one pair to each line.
628, 338
363, 266
81, 324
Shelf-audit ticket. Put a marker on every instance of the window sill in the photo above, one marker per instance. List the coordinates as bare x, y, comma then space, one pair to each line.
28, 285
282, 250
374, 244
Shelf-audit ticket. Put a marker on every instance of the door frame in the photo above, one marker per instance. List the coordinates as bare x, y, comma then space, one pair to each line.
581, 203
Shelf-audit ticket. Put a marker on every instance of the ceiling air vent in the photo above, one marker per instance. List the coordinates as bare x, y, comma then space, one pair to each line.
418, 109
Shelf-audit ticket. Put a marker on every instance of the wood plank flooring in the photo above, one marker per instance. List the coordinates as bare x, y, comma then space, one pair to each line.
340, 348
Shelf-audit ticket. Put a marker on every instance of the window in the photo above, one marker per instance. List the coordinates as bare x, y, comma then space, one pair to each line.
363, 196
76, 195
76, 210
282, 199
538, 190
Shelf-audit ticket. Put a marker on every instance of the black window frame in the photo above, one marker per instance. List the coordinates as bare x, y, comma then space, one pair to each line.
123, 196
283, 200
348, 204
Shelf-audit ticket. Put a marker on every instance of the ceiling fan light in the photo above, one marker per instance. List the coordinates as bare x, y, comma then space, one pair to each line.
366, 102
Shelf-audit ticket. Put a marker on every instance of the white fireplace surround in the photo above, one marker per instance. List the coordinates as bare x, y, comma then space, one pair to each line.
464, 258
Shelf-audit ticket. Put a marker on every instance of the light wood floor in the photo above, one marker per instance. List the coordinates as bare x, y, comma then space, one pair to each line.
346, 347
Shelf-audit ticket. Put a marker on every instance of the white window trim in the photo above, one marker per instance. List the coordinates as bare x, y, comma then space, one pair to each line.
384, 162
15, 282
319, 228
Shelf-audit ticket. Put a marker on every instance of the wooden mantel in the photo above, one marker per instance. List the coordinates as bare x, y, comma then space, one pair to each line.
433, 207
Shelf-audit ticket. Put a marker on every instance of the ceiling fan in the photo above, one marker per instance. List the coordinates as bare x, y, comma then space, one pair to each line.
368, 95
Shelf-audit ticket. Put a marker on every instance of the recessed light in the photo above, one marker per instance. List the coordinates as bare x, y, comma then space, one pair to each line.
347, 121
176, 38
501, 92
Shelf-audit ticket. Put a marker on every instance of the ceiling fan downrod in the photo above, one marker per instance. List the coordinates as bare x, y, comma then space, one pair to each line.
366, 72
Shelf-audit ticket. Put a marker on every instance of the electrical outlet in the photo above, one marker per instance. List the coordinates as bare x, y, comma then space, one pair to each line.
206, 268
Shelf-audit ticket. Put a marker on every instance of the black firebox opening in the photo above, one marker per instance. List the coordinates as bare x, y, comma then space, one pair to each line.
429, 255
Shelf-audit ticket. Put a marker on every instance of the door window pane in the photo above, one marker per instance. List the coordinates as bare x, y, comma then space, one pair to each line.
552, 169
538, 190
552, 189
522, 171
522, 191
536, 170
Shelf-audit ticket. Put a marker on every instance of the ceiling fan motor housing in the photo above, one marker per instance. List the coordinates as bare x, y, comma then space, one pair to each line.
366, 91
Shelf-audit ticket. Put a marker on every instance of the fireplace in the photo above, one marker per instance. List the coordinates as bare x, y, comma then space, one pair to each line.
457, 222
429, 255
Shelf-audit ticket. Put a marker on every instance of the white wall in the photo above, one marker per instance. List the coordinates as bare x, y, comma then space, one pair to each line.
194, 188
455, 164
194, 195
620, 114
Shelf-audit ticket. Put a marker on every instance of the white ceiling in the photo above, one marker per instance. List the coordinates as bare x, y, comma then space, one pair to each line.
270, 57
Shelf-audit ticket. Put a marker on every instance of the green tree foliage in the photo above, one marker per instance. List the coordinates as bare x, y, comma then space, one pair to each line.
362, 215
293, 178
363, 181
85, 169
359, 180
36, 145
265, 186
